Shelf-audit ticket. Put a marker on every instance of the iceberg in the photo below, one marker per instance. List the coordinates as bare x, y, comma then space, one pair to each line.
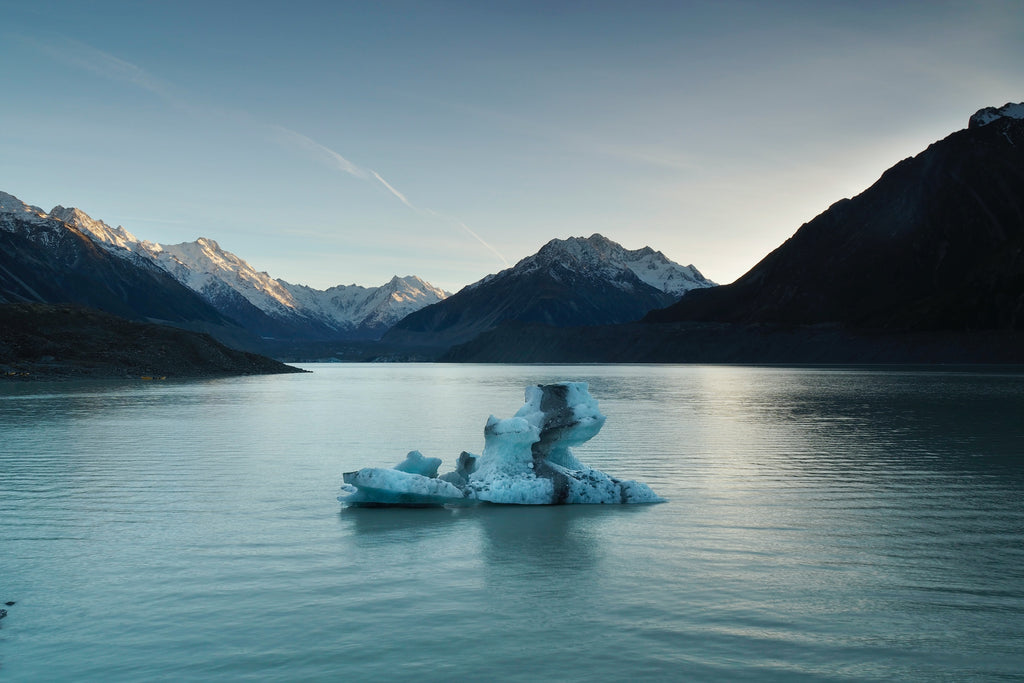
526, 460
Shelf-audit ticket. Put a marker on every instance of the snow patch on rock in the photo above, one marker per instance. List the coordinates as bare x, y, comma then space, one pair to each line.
985, 116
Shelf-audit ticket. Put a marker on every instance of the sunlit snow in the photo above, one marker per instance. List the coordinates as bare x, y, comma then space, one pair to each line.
204, 267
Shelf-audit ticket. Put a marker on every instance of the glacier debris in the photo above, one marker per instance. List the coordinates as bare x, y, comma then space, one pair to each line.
526, 461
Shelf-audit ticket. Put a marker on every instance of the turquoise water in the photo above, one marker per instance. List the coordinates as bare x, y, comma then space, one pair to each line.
822, 524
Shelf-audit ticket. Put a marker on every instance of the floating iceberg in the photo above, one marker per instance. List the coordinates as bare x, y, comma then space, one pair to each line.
526, 461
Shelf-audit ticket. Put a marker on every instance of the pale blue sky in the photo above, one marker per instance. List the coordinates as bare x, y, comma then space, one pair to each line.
339, 142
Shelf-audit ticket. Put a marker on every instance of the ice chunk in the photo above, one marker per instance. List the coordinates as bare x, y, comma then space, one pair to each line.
416, 463
526, 461
380, 486
464, 466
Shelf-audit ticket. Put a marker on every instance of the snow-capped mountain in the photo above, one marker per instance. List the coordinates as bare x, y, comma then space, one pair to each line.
600, 257
29, 221
983, 117
576, 281
45, 260
267, 306
11, 204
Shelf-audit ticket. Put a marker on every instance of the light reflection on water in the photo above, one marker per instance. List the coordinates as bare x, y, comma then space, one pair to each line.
834, 524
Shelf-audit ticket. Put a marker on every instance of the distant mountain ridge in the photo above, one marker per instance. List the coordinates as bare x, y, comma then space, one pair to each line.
575, 281
265, 306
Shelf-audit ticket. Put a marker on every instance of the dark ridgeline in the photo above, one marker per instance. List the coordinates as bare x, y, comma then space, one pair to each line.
926, 265
937, 243
53, 341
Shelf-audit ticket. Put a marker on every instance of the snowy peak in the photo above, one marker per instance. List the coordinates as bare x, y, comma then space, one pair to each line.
573, 282
398, 298
211, 270
98, 230
11, 204
31, 222
602, 257
204, 260
202, 266
412, 289
14, 214
985, 116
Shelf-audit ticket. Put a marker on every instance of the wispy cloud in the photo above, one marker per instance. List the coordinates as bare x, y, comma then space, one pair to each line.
82, 56
85, 57
447, 219
328, 155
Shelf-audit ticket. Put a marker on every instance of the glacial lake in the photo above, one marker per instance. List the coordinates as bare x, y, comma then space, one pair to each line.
845, 524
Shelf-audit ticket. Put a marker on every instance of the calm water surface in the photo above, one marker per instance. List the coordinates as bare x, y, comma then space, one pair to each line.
822, 524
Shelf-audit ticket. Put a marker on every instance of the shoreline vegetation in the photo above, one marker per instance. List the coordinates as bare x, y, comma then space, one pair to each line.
53, 342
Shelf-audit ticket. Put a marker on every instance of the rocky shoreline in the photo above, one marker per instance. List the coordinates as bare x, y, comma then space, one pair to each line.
46, 342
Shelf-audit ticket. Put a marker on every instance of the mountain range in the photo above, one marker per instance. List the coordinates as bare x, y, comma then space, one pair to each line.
926, 265
241, 297
267, 306
199, 285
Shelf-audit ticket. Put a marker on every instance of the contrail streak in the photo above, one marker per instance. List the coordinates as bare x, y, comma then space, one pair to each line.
392, 190
321, 151
82, 56
481, 241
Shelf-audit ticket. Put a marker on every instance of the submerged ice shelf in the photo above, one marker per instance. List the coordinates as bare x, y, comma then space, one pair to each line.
526, 461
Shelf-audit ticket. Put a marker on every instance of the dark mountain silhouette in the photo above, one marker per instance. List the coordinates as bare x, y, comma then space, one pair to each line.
937, 243
50, 341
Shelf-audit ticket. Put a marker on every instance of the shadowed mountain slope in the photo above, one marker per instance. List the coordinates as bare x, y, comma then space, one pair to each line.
577, 281
44, 260
937, 243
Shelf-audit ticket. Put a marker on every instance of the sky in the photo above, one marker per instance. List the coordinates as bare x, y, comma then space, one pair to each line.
349, 141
